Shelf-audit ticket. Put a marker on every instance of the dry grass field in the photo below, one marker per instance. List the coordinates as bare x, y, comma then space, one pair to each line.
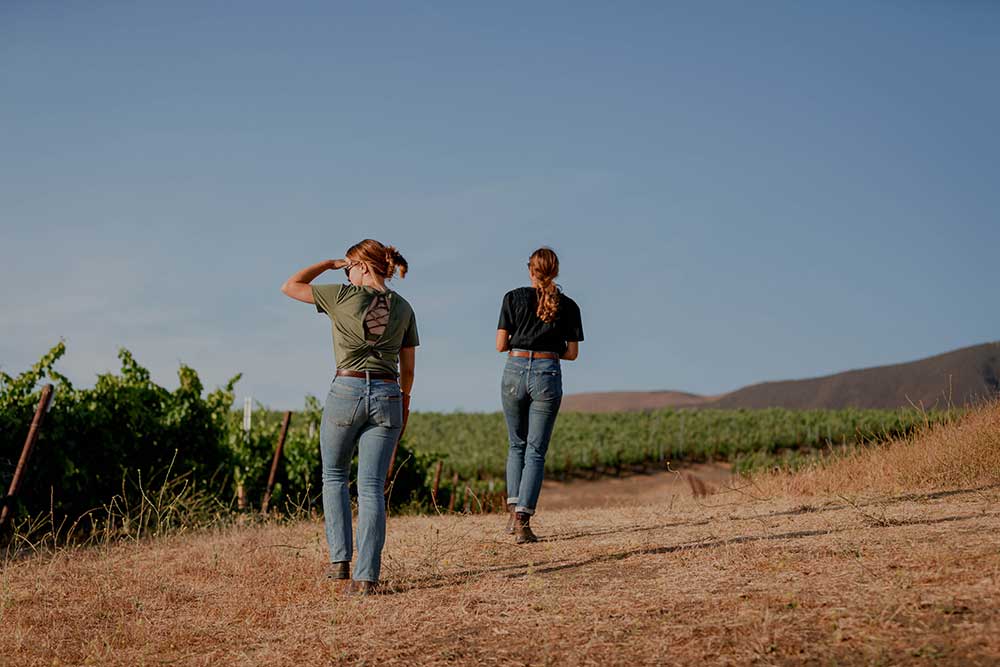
890, 556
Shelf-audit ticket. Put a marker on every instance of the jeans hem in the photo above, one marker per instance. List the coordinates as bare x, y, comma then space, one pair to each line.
524, 510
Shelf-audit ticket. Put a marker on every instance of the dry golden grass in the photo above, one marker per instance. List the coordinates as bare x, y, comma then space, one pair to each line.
941, 456
906, 575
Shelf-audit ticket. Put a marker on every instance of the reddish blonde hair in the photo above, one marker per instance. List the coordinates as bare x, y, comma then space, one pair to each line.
384, 260
544, 268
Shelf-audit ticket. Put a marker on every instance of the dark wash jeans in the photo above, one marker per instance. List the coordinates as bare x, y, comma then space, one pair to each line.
369, 414
531, 392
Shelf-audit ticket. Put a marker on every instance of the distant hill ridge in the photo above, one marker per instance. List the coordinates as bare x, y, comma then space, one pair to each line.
961, 377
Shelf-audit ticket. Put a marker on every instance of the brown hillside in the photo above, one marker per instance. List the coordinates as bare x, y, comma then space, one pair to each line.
963, 377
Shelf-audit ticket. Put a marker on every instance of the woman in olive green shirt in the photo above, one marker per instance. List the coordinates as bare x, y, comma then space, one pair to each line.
374, 330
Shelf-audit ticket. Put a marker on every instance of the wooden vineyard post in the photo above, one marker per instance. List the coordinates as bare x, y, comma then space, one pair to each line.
29, 445
275, 461
392, 465
454, 493
437, 481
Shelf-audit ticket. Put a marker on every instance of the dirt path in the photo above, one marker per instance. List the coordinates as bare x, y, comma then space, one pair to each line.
634, 489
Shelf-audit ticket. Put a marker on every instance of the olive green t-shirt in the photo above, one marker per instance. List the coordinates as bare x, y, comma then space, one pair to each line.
346, 305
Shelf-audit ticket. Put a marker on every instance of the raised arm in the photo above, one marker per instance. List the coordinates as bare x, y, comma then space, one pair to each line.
298, 286
503, 340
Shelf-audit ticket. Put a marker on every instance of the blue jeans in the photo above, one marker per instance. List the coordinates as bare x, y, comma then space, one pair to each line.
531, 392
369, 414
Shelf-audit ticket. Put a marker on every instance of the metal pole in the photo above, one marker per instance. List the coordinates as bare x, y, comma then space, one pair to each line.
241, 491
247, 413
29, 445
275, 461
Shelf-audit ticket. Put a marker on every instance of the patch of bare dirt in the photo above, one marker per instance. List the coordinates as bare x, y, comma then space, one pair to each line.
660, 486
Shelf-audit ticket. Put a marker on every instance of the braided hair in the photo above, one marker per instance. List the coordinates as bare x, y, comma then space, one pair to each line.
544, 268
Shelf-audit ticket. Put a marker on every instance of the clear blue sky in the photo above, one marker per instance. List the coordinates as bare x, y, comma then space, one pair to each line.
738, 192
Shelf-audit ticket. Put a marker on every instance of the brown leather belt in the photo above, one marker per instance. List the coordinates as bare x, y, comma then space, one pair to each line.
373, 375
533, 355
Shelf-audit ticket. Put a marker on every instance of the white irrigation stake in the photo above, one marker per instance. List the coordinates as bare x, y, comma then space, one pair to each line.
241, 494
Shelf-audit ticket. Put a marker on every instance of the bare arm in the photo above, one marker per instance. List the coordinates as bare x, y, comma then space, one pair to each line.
503, 340
407, 362
572, 351
298, 286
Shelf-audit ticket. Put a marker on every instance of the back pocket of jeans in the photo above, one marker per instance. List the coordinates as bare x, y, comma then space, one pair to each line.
547, 385
343, 409
390, 411
511, 381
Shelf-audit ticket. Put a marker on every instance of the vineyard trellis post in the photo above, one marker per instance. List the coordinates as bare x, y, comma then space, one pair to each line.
437, 481
247, 413
241, 493
29, 445
454, 493
274, 463
395, 448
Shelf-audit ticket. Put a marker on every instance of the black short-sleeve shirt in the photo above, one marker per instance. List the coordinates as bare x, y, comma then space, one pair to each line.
527, 331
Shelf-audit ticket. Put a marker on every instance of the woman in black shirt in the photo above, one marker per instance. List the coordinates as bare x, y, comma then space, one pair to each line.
539, 325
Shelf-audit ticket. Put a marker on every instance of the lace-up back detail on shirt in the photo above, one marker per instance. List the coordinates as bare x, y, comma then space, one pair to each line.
377, 317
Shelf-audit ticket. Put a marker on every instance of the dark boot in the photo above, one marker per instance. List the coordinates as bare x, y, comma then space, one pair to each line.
510, 518
522, 529
338, 570
360, 588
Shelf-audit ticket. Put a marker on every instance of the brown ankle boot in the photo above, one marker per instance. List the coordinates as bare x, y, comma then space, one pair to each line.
360, 588
338, 570
522, 529
510, 518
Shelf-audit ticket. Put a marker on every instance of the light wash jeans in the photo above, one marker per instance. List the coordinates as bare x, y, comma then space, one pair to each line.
369, 414
531, 392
